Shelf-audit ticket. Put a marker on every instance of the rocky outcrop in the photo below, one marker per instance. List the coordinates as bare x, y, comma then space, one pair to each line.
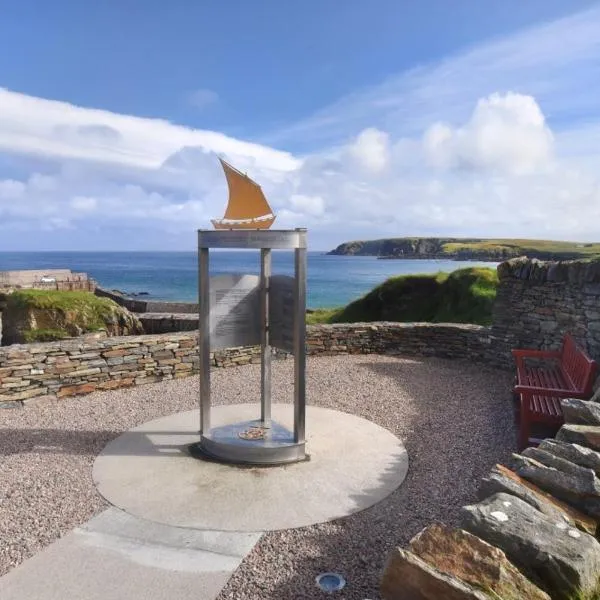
581, 412
503, 480
579, 455
31, 316
562, 559
577, 485
584, 435
408, 577
473, 561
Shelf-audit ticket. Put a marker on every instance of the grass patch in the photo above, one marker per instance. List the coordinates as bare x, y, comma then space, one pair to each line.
44, 335
518, 247
322, 315
47, 315
464, 296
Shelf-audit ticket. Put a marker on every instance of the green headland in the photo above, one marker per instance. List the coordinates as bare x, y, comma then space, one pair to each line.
468, 248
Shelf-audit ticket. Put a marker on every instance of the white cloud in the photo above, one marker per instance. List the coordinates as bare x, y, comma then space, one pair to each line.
202, 98
84, 204
371, 150
48, 128
506, 133
309, 205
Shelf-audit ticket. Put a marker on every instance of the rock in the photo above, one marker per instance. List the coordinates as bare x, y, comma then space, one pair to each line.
504, 480
577, 485
585, 435
560, 559
581, 412
465, 556
408, 577
579, 455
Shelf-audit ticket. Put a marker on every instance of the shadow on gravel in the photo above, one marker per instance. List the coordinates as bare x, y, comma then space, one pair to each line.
54, 441
458, 425
66, 441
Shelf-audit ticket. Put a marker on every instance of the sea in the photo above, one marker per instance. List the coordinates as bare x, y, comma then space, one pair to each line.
173, 276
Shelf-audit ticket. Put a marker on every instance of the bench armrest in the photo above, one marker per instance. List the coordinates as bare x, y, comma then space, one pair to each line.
557, 392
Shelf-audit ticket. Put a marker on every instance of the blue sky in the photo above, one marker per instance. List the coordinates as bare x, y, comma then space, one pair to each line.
360, 119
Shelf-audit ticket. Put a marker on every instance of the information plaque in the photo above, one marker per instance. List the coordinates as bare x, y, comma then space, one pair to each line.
234, 311
281, 312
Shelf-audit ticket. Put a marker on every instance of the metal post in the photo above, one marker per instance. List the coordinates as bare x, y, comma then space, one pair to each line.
265, 361
204, 341
300, 340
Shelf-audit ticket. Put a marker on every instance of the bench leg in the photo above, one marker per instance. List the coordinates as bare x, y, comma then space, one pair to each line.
524, 425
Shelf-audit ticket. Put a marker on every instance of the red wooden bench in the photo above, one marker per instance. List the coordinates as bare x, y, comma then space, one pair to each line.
567, 373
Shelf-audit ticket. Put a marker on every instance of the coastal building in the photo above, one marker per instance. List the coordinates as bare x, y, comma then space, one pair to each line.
50, 279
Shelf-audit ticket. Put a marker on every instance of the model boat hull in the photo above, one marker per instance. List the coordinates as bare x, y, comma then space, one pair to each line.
243, 224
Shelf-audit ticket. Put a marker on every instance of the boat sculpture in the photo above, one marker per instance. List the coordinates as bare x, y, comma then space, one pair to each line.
247, 207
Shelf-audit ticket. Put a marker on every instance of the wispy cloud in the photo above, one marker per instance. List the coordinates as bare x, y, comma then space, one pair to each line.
558, 63
48, 128
202, 98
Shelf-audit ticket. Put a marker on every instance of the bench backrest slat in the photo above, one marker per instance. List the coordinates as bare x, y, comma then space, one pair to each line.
577, 366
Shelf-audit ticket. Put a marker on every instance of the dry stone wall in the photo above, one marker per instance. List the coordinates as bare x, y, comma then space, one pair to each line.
83, 365
538, 302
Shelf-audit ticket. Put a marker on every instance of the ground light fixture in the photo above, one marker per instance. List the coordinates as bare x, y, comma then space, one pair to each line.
330, 582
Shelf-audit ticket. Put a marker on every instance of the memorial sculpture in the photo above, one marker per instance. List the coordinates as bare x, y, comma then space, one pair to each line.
247, 207
247, 310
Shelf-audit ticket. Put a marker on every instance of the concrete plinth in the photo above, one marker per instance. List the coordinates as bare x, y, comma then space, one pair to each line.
148, 472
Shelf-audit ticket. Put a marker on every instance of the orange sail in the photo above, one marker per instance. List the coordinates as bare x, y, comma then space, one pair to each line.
247, 207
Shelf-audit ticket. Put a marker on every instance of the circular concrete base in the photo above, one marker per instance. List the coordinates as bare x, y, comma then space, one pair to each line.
148, 472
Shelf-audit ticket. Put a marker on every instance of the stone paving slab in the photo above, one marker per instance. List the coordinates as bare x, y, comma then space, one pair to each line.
116, 556
353, 464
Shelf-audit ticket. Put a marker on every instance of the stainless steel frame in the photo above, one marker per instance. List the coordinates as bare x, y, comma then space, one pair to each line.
279, 445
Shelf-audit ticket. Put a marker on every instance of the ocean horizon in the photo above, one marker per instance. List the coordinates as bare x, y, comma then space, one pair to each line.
173, 276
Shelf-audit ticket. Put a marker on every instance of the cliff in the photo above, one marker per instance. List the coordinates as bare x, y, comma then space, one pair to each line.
496, 250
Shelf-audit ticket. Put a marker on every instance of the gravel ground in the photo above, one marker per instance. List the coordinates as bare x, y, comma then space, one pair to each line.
455, 419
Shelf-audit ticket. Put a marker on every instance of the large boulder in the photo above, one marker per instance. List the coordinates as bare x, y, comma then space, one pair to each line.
502, 479
473, 561
579, 455
584, 435
46, 315
577, 485
408, 577
560, 559
581, 412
